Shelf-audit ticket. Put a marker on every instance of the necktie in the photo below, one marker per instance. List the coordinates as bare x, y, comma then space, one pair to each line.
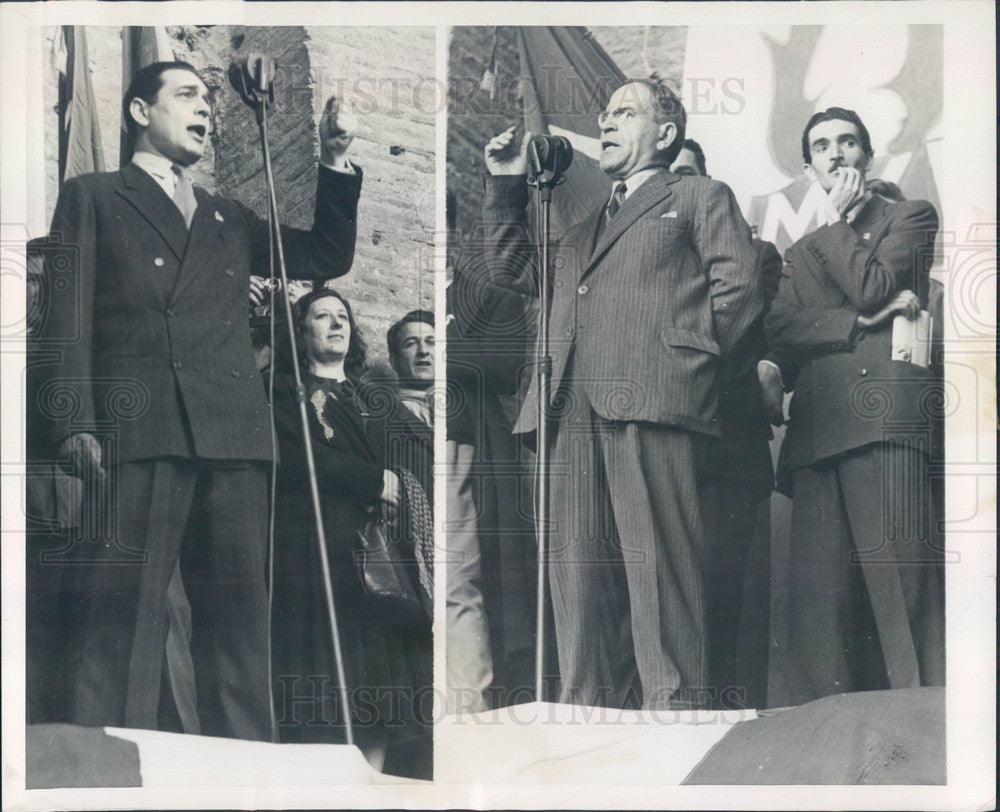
419, 406
184, 195
617, 198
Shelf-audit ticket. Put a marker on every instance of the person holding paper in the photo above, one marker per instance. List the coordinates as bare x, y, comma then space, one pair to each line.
866, 604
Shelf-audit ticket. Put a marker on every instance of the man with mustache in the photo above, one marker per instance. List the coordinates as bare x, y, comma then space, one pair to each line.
648, 293
153, 306
866, 576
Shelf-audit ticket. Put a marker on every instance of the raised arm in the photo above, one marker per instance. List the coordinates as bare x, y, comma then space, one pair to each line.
871, 275
510, 255
327, 250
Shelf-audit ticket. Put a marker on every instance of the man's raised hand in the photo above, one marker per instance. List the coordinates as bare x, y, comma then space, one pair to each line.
337, 128
846, 192
504, 156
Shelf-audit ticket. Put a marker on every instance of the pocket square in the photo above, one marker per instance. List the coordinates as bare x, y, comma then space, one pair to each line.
220, 218
669, 214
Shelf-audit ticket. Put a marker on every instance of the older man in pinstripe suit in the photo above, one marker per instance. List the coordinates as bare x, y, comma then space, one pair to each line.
649, 292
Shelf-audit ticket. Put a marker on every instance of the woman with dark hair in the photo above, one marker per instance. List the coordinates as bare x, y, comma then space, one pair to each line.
357, 483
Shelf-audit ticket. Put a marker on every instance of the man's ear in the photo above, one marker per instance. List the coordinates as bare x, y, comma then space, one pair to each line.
668, 134
810, 172
394, 363
139, 110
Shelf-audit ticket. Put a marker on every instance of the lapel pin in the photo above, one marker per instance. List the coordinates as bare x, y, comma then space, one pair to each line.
220, 218
866, 236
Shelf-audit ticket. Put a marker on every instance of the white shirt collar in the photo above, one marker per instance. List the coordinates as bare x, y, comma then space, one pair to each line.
635, 180
159, 169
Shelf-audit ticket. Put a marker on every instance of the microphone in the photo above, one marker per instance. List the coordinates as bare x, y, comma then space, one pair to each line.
549, 154
253, 79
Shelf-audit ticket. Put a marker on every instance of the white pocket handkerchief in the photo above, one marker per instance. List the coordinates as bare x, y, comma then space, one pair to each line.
669, 214
220, 218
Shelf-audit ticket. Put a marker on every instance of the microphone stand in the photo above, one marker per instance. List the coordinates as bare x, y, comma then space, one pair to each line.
542, 180
259, 98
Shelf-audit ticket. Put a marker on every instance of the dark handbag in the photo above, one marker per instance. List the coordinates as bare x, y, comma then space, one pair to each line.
392, 596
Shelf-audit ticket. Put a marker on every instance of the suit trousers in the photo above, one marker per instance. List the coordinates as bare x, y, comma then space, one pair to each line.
866, 576
212, 516
469, 662
735, 480
625, 547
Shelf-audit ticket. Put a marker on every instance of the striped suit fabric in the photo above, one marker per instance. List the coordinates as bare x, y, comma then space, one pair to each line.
641, 313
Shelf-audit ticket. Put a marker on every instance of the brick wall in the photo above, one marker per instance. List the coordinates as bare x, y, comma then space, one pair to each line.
387, 72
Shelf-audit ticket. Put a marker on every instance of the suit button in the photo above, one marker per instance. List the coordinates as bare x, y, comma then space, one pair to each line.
178, 365
230, 272
227, 322
569, 331
158, 262
863, 372
170, 312
236, 373
582, 290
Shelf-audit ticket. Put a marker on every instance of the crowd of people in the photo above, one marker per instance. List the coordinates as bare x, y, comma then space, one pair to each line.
183, 589
659, 498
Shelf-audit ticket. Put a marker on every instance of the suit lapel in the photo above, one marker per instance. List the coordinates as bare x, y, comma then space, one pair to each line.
146, 196
655, 190
201, 241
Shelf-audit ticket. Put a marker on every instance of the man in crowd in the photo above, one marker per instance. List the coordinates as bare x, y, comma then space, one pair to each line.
649, 292
169, 416
865, 572
411, 354
736, 482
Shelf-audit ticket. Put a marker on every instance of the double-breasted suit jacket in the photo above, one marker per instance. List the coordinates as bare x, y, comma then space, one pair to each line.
649, 307
151, 319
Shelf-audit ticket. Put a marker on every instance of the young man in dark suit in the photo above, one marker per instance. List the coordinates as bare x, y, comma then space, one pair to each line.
166, 410
866, 576
649, 292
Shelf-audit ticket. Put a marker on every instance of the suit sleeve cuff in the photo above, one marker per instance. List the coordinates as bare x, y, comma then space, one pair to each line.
775, 367
504, 196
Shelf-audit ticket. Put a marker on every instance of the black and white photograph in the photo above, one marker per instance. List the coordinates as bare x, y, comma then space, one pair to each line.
696, 319
229, 517
498, 405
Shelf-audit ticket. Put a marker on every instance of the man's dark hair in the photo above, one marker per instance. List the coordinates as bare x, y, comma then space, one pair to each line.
699, 154
392, 336
667, 106
356, 360
146, 84
836, 114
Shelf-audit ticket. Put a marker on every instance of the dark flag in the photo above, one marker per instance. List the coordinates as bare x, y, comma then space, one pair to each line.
566, 80
80, 150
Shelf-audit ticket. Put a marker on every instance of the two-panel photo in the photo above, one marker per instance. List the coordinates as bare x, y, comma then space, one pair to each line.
494, 415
